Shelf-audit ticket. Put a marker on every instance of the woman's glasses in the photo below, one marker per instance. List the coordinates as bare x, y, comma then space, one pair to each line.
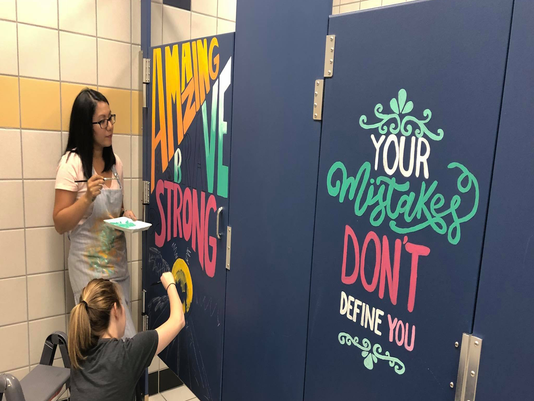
104, 123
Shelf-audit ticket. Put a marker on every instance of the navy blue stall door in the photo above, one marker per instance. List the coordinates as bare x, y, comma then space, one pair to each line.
409, 129
505, 302
190, 110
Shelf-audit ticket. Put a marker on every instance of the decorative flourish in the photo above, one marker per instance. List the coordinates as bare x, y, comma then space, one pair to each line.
371, 354
406, 125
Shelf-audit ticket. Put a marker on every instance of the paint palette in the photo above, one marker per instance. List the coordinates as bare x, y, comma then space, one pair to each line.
127, 225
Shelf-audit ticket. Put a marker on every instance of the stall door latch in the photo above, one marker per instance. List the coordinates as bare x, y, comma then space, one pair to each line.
466, 383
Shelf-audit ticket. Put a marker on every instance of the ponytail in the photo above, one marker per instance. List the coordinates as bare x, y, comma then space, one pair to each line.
90, 318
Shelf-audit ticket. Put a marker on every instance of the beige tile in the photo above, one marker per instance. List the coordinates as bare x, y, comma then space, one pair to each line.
13, 293
202, 26
390, 2
8, 10
224, 26
69, 295
135, 281
37, 114
365, 5
10, 160
38, 12
20, 373
136, 246
39, 331
44, 250
157, 1
16, 355
136, 314
136, 75
156, 397
335, 10
77, 16
129, 245
64, 141
156, 24
39, 203
176, 24
114, 64
78, 58
227, 9
12, 250
162, 365
127, 194
154, 365
11, 215
136, 197
137, 104
68, 95
136, 22
178, 393
41, 151
114, 19
122, 147
335, 3
208, 7
137, 157
8, 48
347, 8
341, 2
38, 52
46, 295
119, 102
9, 101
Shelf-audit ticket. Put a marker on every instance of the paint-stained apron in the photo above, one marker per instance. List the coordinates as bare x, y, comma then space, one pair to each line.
99, 251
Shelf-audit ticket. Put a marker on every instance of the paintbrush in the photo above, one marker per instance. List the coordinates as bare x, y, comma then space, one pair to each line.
105, 179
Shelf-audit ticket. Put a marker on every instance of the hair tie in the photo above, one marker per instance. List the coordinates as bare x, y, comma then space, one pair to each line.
85, 303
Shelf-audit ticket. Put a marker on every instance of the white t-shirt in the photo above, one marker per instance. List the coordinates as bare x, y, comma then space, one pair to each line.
70, 169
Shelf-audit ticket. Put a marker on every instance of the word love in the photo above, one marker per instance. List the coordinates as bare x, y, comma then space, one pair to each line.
186, 218
354, 309
382, 270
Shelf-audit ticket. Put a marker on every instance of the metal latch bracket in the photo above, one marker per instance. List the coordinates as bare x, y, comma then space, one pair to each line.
329, 56
228, 246
466, 383
318, 100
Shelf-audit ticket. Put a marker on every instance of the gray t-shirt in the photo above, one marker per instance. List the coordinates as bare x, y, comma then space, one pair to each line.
113, 367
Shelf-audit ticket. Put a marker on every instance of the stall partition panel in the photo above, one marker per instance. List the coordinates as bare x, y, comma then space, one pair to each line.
410, 121
190, 108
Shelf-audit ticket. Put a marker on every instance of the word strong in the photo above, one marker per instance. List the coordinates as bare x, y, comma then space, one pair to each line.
383, 270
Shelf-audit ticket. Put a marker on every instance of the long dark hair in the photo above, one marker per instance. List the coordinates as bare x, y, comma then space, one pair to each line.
81, 139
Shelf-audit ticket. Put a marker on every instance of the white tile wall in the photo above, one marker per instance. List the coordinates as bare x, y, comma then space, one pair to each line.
176, 24
136, 21
78, 16
14, 300
224, 26
10, 162
202, 25
38, 12
127, 195
114, 19
20, 373
39, 203
8, 10
78, 58
39, 331
114, 54
44, 250
15, 355
12, 249
208, 7
137, 166
46, 295
42, 151
135, 67
156, 16
346, 6
38, 58
8, 48
122, 147
11, 215
227, 9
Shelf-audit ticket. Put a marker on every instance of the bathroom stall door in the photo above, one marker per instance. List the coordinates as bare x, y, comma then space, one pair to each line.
410, 120
190, 108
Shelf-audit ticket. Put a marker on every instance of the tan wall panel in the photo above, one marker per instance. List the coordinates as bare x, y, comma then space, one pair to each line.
9, 102
68, 94
120, 104
40, 105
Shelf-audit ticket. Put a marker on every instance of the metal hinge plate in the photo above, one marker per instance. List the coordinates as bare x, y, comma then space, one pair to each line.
466, 383
145, 322
228, 246
329, 56
146, 70
318, 100
146, 192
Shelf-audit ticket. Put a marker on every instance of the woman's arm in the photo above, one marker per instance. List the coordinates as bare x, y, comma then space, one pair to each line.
68, 211
176, 322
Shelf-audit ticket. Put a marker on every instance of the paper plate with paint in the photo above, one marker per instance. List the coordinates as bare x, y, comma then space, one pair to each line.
128, 225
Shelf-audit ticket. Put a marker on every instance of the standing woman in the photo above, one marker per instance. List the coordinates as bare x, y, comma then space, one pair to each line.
89, 189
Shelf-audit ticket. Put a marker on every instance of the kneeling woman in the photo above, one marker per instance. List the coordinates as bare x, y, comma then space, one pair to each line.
104, 367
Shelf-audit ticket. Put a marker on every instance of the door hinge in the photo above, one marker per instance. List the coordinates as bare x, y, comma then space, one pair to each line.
329, 56
228, 246
146, 70
146, 192
466, 383
144, 315
318, 100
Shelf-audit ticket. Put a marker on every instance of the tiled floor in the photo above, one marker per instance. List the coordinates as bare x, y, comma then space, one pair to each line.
181, 393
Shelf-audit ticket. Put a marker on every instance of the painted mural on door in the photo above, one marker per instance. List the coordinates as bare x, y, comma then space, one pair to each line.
190, 109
